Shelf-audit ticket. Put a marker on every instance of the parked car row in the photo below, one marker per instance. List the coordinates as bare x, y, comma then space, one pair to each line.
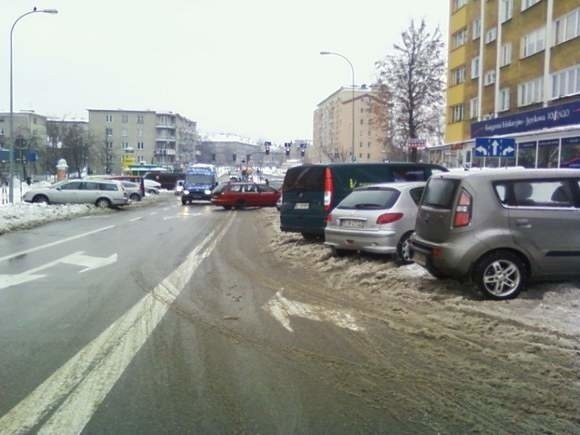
498, 229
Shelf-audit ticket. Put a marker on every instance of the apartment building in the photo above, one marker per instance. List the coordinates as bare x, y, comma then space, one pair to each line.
133, 136
28, 125
332, 128
514, 71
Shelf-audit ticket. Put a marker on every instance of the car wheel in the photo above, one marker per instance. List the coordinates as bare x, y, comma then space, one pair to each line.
336, 252
135, 197
404, 248
240, 204
152, 192
40, 199
183, 201
500, 275
103, 203
311, 236
227, 207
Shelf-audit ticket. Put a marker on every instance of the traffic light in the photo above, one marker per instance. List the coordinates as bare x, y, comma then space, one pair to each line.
234, 157
287, 146
267, 146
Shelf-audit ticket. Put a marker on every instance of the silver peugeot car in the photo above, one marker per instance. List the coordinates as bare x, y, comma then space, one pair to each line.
377, 218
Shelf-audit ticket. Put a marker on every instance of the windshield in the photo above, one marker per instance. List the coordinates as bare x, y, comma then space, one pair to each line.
199, 179
370, 199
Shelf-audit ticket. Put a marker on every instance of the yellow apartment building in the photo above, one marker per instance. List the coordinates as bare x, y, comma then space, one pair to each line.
514, 71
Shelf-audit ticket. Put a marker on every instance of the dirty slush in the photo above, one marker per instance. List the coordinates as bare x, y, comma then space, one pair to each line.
436, 354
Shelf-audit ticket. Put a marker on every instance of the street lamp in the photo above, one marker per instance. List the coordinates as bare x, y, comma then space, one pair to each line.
325, 53
12, 139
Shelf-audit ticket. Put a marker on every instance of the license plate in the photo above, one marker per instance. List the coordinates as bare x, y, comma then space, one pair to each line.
302, 206
420, 258
351, 223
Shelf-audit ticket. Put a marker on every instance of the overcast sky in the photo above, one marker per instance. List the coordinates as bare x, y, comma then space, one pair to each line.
250, 67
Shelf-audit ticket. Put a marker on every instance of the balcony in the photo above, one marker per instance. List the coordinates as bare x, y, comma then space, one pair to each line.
165, 139
167, 126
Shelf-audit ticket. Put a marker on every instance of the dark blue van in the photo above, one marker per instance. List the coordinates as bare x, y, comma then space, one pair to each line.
310, 192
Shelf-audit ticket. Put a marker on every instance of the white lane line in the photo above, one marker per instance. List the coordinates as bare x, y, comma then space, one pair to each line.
74, 392
180, 216
153, 213
135, 219
165, 208
58, 242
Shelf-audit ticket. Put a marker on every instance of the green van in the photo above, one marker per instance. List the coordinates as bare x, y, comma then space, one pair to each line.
311, 192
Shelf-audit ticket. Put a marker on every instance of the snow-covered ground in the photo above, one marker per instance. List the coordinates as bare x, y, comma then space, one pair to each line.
381, 283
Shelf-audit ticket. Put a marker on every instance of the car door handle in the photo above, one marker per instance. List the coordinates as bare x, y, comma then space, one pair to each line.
524, 223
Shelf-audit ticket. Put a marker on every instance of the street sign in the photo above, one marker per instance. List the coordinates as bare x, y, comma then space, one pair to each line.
495, 147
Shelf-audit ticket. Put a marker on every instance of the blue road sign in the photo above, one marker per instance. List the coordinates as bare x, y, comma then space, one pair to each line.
495, 147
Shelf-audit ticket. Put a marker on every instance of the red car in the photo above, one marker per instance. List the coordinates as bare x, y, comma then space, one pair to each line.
244, 195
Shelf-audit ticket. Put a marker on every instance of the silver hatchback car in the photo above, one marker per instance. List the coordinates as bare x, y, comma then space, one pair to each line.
500, 228
377, 218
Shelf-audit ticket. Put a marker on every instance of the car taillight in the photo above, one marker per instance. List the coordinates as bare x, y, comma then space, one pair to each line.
329, 218
388, 218
463, 210
328, 189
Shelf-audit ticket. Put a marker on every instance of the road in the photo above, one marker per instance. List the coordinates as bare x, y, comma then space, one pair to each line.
172, 319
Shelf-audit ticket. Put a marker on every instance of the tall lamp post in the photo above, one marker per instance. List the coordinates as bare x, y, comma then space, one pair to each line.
12, 138
325, 53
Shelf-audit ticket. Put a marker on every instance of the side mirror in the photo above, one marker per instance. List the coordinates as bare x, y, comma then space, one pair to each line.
59, 188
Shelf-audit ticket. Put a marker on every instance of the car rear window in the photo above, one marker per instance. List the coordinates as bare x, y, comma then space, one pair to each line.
439, 192
304, 179
370, 199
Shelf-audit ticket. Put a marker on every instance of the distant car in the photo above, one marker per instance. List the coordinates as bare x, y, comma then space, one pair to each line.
500, 228
245, 195
378, 218
102, 193
152, 187
133, 190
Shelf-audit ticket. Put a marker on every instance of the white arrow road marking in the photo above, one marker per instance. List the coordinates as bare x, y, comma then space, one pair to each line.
179, 216
494, 145
58, 242
135, 219
77, 259
73, 393
281, 309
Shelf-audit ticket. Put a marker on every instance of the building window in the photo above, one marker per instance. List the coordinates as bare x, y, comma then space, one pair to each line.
141, 159
140, 145
458, 76
457, 113
491, 35
139, 132
475, 67
109, 144
458, 4
476, 28
529, 3
368, 155
566, 82
506, 54
124, 132
108, 117
531, 92
125, 145
503, 103
108, 131
459, 38
139, 119
533, 42
474, 108
489, 78
124, 118
506, 10
567, 27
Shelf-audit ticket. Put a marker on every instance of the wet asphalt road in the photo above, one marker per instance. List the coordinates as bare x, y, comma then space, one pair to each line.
172, 319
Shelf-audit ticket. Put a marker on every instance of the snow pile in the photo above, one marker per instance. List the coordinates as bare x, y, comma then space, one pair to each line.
381, 283
19, 216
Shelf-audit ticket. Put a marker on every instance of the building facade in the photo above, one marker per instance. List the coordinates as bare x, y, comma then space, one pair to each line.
332, 128
514, 71
133, 137
27, 125
229, 153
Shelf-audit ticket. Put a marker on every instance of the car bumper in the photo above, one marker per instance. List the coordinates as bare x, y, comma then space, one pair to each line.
196, 196
446, 258
123, 201
378, 242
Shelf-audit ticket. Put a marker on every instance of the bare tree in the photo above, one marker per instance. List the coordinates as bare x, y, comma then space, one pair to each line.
73, 143
412, 80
